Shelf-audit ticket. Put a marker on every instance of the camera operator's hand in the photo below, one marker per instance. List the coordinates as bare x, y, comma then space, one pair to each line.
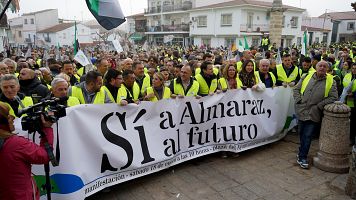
45, 123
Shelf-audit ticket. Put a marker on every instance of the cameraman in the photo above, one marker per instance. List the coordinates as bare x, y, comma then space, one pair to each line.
16, 156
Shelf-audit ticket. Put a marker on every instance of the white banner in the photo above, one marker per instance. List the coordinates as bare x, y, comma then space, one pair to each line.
117, 46
168, 38
104, 145
81, 58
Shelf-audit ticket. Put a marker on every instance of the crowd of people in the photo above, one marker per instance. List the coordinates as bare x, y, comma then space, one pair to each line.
163, 72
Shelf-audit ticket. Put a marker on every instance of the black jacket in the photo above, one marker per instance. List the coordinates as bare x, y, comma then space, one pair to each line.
34, 88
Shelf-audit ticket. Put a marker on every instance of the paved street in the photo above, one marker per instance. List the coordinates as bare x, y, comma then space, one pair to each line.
269, 172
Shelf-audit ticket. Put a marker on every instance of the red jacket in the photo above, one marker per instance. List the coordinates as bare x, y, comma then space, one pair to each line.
16, 157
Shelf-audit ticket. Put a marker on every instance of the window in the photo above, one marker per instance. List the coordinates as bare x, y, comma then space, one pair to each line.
32, 21
283, 21
64, 35
82, 30
317, 39
249, 20
255, 42
206, 41
350, 25
325, 37
294, 22
202, 21
299, 41
226, 20
289, 42
20, 34
229, 42
25, 21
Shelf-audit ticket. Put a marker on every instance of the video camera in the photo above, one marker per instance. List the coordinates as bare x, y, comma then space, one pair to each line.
32, 121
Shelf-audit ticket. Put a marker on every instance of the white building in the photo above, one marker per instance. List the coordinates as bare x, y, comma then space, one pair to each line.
25, 28
319, 29
343, 25
63, 34
168, 17
226, 23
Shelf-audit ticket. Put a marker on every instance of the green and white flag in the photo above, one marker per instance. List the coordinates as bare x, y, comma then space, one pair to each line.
246, 43
241, 47
107, 12
304, 43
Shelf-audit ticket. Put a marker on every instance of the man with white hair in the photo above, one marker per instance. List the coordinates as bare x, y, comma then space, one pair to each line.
265, 75
4, 69
311, 94
59, 89
12, 65
126, 64
10, 95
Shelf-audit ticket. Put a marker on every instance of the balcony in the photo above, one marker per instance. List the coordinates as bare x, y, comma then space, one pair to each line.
169, 28
254, 28
187, 5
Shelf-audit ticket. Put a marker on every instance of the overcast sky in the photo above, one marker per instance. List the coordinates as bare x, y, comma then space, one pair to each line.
77, 9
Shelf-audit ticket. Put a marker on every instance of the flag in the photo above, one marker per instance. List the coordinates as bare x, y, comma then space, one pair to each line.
117, 46
237, 58
28, 52
57, 54
233, 47
304, 43
81, 58
108, 13
168, 38
45, 57
246, 44
241, 47
19, 52
145, 46
278, 59
75, 38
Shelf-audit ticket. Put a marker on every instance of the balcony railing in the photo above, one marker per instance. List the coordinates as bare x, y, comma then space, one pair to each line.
140, 28
169, 8
169, 28
254, 28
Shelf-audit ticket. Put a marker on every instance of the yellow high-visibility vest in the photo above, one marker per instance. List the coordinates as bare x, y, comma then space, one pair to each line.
328, 84
166, 94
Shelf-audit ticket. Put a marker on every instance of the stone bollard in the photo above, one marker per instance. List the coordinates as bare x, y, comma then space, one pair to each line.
351, 181
334, 149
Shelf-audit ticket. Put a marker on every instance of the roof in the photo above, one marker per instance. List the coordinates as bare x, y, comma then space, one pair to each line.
41, 11
136, 15
243, 3
340, 15
57, 28
93, 24
314, 29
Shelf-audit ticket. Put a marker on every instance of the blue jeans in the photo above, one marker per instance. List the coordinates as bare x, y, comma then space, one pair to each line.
306, 131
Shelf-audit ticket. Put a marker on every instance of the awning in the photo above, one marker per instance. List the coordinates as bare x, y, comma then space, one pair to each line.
136, 36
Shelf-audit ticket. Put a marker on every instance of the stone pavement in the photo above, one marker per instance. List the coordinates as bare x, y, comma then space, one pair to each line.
268, 172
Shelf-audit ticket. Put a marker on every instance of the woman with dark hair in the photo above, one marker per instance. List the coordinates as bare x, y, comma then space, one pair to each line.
16, 156
247, 77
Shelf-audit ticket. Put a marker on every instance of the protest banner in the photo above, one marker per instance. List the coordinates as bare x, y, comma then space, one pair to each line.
104, 145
